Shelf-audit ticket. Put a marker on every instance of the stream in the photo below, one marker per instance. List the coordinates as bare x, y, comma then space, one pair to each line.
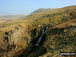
39, 40
36, 45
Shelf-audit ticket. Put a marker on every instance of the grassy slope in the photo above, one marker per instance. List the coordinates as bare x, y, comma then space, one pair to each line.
61, 35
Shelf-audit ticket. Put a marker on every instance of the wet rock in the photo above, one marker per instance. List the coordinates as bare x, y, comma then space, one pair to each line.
62, 29
6, 33
11, 31
14, 45
11, 46
6, 39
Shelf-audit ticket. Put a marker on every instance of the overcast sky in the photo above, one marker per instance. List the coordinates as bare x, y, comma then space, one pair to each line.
10, 7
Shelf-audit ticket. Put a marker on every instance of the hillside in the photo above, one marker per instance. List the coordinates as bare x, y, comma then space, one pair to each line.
41, 10
18, 38
9, 17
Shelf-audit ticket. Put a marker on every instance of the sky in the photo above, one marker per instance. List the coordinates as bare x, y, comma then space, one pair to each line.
15, 7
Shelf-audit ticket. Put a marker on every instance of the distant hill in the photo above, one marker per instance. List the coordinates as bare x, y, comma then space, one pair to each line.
9, 17
42, 10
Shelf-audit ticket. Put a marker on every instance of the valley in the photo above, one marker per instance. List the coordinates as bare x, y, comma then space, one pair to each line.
41, 34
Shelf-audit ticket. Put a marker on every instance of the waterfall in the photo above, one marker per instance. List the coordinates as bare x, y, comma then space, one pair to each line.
43, 32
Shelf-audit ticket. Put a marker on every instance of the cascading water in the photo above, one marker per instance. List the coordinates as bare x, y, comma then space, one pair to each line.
43, 32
